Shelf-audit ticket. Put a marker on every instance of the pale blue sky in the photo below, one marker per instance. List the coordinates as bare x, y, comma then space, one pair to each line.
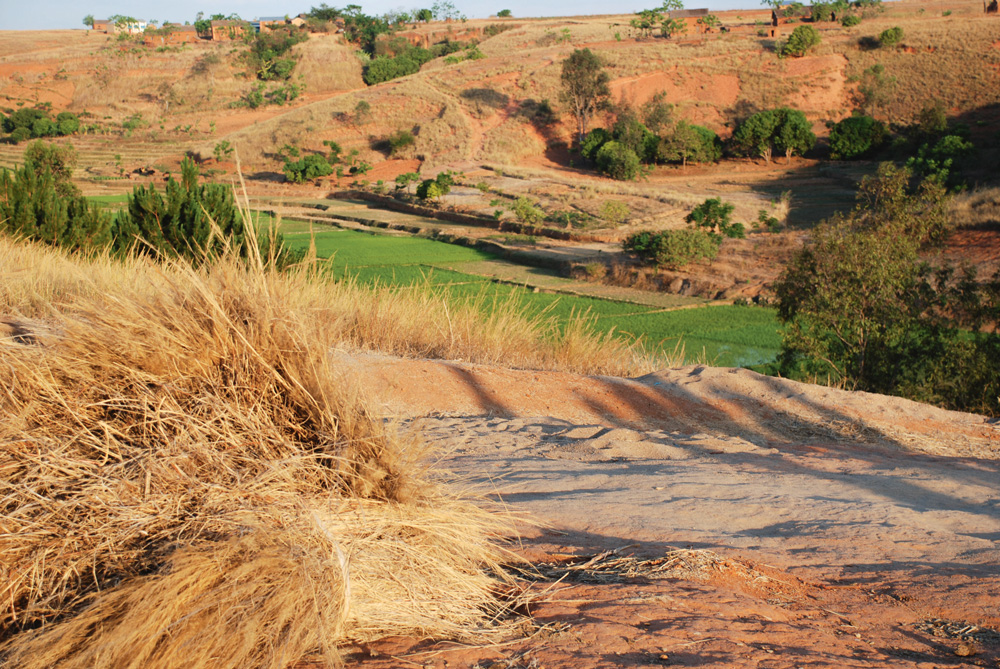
48, 14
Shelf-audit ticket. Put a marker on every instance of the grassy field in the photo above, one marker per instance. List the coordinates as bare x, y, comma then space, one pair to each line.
720, 335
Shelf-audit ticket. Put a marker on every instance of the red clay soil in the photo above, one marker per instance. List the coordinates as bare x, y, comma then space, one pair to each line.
806, 526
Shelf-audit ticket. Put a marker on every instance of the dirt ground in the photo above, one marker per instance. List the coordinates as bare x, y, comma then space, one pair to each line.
718, 518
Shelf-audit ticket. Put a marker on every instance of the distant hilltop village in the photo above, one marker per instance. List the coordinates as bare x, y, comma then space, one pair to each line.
223, 30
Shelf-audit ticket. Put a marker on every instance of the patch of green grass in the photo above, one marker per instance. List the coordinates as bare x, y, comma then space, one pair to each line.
724, 336
357, 249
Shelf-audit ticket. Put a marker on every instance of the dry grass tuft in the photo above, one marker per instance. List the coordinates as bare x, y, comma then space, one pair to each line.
977, 208
188, 481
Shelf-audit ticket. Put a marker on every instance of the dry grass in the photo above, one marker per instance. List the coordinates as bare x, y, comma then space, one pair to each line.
977, 208
188, 481
327, 64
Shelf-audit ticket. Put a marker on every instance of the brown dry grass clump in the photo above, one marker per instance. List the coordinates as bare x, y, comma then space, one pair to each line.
187, 481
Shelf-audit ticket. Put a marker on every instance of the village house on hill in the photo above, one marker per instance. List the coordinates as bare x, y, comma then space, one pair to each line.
227, 31
171, 33
109, 26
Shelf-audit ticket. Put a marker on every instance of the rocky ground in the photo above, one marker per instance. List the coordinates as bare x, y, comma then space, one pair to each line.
715, 517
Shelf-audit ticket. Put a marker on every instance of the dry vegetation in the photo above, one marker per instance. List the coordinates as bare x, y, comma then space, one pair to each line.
188, 481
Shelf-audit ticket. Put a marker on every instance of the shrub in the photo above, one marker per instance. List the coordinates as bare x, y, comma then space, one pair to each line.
891, 36
527, 212
38, 202
672, 248
309, 167
617, 161
802, 39
399, 141
614, 211
850, 20
593, 142
429, 189
856, 137
713, 215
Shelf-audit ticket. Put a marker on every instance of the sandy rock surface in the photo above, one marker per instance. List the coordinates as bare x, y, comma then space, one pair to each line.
755, 522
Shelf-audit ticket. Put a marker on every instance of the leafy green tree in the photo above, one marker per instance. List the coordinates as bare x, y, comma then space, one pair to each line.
710, 22
861, 307
404, 181
526, 211
617, 161
891, 36
933, 119
856, 137
307, 168
57, 160
783, 129
429, 189
88, 20
714, 215
504, 14
802, 39
689, 142
593, 142
424, 15
585, 86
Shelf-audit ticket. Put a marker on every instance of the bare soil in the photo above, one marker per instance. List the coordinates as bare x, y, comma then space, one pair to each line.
753, 521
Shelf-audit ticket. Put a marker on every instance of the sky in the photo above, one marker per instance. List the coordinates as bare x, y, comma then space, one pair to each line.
50, 14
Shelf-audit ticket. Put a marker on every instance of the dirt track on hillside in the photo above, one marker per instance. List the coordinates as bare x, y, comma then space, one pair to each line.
802, 526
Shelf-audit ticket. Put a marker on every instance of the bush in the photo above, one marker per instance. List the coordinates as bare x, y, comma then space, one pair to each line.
856, 137
310, 167
617, 161
593, 142
429, 189
713, 214
781, 129
672, 248
891, 36
399, 141
802, 39
527, 212
34, 123
850, 21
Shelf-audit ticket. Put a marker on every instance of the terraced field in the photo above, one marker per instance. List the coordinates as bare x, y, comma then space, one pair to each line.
724, 335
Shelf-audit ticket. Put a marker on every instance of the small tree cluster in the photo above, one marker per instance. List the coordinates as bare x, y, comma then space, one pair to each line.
861, 308
34, 123
439, 186
38, 202
784, 129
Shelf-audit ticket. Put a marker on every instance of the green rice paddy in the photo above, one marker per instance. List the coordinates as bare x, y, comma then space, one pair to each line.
729, 336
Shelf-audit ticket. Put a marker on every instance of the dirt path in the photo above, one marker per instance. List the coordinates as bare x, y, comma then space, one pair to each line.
816, 527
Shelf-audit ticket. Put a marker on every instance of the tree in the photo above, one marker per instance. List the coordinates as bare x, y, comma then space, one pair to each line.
861, 308
88, 21
585, 86
670, 27
800, 41
38, 202
794, 133
783, 129
504, 14
855, 137
689, 142
59, 161
875, 89
713, 215
424, 15
403, 181
709, 21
